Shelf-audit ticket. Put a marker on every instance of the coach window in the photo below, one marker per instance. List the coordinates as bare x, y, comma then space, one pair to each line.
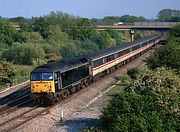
120, 53
111, 57
130, 49
115, 55
104, 60
98, 62
126, 51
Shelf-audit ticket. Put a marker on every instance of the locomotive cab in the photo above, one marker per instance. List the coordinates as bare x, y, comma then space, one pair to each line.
53, 80
43, 86
42, 82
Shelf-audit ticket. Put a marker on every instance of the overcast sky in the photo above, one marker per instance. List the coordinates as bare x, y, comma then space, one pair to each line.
86, 8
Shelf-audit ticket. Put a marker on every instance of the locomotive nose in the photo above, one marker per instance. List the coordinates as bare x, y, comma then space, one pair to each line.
41, 86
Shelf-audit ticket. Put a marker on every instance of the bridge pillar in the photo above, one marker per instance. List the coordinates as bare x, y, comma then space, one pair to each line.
132, 35
164, 35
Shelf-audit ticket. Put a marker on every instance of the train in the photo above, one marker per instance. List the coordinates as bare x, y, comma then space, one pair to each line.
56, 80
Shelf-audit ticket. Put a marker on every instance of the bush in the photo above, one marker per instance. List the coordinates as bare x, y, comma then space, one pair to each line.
25, 53
133, 72
168, 55
7, 33
133, 112
149, 102
7, 72
89, 46
30, 37
22, 73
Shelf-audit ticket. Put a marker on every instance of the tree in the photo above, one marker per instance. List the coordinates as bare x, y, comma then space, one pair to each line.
175, 31
82, 29
7, 33
7, 72
41, 25
115, 35
89, 46
149, 102
69, 50
168, 55
57, 36
30, 37
26, 53
167, 15
110, 19
103, 39
17, 19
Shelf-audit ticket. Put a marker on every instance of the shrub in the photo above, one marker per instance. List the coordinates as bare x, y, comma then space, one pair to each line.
7, 33
149, 102
133, 112
25, 53
7, 72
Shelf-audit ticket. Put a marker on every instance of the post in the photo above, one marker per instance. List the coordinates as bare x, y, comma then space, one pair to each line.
62, 115
132, 35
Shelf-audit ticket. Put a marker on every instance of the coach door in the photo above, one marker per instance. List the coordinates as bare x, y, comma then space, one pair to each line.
57, 81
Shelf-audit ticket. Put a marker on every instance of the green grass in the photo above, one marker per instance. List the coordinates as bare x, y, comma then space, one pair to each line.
115, 90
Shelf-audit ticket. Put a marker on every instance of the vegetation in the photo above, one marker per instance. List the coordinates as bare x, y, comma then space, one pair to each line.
7, 73
59, 35
167, 15
168, 55
150, 97
124, 18
7, 33
149, 102
26, 53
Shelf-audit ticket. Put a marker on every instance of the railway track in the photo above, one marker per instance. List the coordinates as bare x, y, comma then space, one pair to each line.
12, 105
14, 96
13, 122
35, 111
9, 109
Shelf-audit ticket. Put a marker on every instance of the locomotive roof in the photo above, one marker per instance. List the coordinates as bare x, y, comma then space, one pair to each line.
104, 52
62, 66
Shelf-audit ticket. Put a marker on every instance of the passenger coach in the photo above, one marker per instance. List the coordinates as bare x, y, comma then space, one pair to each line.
105, 60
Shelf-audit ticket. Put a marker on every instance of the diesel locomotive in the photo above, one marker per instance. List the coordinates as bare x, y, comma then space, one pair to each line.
56, 80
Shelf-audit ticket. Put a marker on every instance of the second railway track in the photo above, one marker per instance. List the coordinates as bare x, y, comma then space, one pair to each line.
12, 105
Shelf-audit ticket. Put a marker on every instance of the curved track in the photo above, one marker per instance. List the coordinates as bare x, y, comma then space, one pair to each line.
35, 111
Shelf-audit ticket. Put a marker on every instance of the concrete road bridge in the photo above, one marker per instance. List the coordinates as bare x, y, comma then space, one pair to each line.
158, 26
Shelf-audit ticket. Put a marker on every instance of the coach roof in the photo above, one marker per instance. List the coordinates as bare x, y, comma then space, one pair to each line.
117, 48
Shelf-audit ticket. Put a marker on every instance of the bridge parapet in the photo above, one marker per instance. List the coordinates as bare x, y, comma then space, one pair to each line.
140, 26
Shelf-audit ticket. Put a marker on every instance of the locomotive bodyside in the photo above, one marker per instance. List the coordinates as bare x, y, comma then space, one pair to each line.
54, 80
